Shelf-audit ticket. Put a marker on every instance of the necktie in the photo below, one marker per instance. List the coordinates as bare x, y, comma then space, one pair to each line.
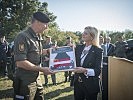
106, 49
107, 46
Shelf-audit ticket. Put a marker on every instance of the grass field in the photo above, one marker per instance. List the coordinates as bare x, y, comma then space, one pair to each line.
61, 91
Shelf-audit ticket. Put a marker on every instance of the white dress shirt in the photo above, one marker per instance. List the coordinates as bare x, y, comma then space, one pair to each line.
90, 72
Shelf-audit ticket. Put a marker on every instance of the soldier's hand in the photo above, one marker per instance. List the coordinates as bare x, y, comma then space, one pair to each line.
47, 71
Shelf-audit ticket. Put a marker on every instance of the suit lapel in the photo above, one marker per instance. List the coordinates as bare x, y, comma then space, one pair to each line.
110, 46
89, 55
81, 49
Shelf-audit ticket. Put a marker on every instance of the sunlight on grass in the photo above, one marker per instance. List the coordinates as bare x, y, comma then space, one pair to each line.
61, 91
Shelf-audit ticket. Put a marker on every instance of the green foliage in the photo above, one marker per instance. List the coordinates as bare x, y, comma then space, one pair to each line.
61, 91
15, 14
60, 36
127, 34
114, 36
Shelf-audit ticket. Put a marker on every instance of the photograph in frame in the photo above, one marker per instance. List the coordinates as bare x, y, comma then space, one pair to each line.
62, 59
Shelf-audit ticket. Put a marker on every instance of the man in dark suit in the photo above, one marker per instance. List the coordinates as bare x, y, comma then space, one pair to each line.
102, 45
120, 47
109, 51
109, 47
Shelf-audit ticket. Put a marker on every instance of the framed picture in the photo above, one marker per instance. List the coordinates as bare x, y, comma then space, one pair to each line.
62, 59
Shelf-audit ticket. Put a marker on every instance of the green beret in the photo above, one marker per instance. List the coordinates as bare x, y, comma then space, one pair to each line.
41, 17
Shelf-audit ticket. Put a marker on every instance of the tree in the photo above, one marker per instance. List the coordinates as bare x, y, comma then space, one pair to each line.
128, 34
15, 14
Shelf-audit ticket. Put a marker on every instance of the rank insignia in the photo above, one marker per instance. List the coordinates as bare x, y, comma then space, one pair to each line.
21, 47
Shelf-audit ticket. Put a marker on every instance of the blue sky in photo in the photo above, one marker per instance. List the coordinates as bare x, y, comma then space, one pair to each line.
74, 15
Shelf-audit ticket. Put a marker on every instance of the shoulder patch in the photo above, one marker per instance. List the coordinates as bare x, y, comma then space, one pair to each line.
21, 47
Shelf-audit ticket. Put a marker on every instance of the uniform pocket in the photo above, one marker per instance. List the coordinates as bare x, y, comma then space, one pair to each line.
32, 90
28, 89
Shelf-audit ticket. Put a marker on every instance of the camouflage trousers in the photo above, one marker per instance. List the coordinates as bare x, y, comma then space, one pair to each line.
28, 89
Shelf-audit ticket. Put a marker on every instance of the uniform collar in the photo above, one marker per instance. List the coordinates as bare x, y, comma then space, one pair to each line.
32, 32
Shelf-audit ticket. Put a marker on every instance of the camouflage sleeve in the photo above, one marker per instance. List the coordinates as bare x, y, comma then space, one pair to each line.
20, 48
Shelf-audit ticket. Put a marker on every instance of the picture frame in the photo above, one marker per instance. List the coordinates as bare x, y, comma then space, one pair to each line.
62, 59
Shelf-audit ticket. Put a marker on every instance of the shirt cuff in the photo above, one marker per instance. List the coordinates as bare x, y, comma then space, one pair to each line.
90, 72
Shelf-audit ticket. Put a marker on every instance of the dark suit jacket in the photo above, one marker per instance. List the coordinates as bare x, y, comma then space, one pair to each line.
93, 61
110, 51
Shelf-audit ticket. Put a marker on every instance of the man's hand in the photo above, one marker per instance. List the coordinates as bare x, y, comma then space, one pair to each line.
71, 45
45, 51
46, 59
47, 71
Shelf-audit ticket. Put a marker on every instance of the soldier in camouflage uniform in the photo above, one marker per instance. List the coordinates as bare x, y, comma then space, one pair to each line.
48, 44
27, 56
67, 74
120, 47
